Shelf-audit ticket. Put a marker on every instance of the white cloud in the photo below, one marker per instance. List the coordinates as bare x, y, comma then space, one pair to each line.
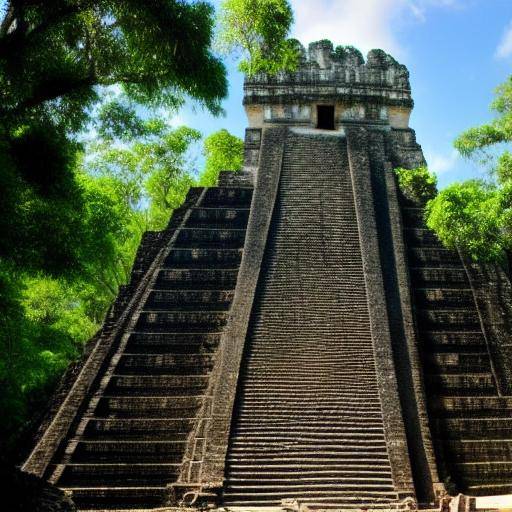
504, 49
365, 24
442, 163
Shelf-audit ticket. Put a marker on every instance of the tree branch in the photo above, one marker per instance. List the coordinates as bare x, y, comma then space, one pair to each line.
7, 21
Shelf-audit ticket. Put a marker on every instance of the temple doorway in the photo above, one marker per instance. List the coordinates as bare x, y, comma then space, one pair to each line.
325, 116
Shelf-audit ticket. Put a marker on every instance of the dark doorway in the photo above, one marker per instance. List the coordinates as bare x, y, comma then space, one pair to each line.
325, 115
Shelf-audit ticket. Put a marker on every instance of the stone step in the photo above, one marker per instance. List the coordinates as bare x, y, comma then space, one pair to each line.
334, 504
451, 341
252, 438
444, 297
313, 398
306, 444
273, 429
298, 409
479, 450
327, 494
256, 390
156, 385
262, 360
315, 369
472, 406
165, 364
455, 362
495, 489
275, 456
204, 258
439, 278
190, 300
361, 486
185, 321
138, 429
318, 474
421, 237
474, 428
342, 481
172, 342
149, 406
125, 475
128, 451
210, 238
116, 498
471, 384
218, 217
287, 420
433, 257
456, 319
197, 279
479, 473
227, 197
295, 468
413, 217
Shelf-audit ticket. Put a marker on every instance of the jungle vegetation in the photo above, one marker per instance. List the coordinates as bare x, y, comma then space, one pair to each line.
89, 161
474, 216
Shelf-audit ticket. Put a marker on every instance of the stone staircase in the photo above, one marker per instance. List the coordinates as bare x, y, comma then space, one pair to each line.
308, 423
129, 442
471, 423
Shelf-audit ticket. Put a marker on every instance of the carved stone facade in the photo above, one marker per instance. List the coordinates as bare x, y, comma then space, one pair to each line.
376, 91
296, 337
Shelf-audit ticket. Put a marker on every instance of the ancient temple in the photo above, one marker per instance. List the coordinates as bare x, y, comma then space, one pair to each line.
296, 337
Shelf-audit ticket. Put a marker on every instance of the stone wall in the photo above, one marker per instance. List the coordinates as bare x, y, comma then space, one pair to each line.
377, 90
81, 376
493, 294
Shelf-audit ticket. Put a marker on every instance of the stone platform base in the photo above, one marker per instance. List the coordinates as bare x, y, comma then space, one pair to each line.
459, 503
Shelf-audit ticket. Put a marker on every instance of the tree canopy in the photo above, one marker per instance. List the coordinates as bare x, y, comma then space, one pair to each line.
258, 30
418, 184
54, 58
88, 162
223, 152
476, 215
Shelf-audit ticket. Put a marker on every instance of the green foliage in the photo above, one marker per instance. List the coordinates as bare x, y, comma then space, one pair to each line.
54, 53
257, 29
223, 152
56, 59
150, 174
42, 327
418, 184
84, 175
349, 53
479, 141
474, 215
468, 216
504, 168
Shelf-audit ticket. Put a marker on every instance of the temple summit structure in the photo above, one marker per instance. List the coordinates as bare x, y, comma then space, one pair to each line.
296, 338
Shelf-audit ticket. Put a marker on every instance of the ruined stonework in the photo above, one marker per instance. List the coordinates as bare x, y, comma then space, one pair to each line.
296, 337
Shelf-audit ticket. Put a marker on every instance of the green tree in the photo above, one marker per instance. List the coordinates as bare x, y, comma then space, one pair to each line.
44, 320
418, 184
257, 30
469, 216
223, 152
56, 58
488, 204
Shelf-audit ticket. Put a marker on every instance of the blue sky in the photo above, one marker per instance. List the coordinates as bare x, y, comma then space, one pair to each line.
457, 52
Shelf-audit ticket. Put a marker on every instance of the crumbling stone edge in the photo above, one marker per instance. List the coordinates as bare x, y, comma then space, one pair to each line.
414, 360
203, 468
81, 377
359, 165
